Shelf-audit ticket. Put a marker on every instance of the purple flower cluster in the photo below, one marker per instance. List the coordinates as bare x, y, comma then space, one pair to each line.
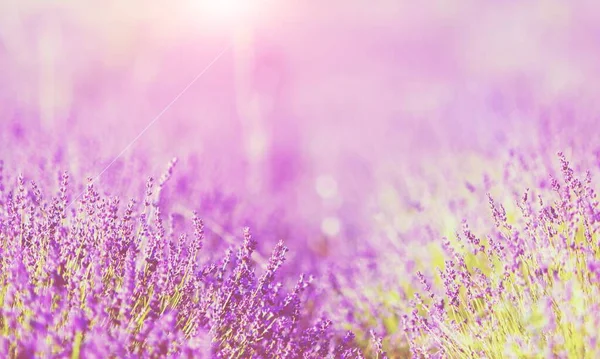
519, 282
86, 277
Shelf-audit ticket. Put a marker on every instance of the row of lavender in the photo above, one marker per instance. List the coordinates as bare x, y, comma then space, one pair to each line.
85, 277
449, 271
508, 275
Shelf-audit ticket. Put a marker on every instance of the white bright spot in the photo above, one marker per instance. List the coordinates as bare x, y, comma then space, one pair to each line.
230, 7
331, 226
326, 186
225, 10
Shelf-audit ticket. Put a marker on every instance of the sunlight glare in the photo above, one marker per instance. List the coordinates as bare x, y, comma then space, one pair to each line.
227, 10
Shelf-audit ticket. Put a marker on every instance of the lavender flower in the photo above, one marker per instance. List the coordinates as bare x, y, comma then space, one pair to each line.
91, 283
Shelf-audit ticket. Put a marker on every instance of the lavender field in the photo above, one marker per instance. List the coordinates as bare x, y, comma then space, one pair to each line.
299, 179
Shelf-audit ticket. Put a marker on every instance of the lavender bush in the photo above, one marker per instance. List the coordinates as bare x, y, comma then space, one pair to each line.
527, 288
519, 282
98, 280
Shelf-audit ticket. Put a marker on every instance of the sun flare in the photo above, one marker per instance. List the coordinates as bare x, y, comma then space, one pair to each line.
228, 10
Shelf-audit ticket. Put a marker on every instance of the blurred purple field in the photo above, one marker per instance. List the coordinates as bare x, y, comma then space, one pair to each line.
430, 167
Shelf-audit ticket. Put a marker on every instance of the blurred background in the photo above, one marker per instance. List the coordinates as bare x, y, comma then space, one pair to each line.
312, 110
